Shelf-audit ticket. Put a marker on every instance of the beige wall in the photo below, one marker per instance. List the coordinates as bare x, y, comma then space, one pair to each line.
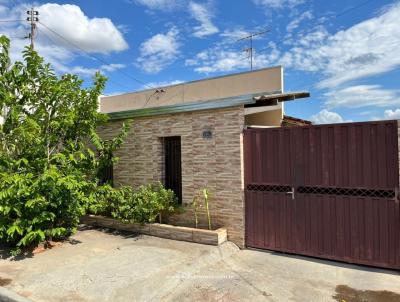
213, 163
259, 81
265, 118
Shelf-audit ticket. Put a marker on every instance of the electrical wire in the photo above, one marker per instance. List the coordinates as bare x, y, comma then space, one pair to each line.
319, 24
111, 80
93, 56
5, 21
16, 37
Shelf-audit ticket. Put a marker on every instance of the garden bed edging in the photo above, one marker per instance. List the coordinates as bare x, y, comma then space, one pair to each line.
211, 237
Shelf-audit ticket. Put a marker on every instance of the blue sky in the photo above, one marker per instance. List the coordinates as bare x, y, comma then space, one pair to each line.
346, 53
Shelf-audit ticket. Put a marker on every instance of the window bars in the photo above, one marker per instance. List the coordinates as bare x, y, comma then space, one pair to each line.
353, 192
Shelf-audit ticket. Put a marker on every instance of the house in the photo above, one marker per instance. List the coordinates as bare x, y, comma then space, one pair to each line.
277, 182
190, 136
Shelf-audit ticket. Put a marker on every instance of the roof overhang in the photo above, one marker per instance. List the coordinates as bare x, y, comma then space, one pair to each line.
248, 100
275, 98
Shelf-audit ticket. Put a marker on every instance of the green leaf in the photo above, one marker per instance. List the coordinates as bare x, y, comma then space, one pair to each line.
13, 230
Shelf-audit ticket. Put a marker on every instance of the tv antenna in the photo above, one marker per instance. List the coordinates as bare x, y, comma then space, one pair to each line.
250, 50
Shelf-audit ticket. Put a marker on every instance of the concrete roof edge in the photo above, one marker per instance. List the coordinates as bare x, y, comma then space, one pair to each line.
188, 107
283, 96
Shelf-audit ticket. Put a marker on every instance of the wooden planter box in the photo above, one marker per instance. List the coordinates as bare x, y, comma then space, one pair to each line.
212, 237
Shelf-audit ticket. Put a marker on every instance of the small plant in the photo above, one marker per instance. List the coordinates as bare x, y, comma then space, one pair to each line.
196, 206
206, 196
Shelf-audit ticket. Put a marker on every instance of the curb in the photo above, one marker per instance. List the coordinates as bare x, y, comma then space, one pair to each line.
7, 295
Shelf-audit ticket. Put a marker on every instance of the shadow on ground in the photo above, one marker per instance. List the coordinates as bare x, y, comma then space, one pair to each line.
123, 234
348, 294
5, 281
29, 252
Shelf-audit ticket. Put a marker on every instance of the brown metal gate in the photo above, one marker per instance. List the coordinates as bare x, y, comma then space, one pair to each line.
328, 191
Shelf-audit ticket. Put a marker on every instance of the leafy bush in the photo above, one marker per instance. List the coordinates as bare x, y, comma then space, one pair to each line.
48, 171
103, 200
38, 207
145, 204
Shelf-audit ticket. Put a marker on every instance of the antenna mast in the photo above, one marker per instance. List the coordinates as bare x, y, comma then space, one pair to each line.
32, 18
250, 49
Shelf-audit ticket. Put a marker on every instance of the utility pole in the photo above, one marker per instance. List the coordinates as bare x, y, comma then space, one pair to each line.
32, 18
250, 49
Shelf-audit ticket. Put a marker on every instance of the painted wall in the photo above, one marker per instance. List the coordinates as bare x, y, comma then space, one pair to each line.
266, 118
259, 81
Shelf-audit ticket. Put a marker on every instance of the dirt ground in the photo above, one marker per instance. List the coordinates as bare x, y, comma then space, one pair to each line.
99, 265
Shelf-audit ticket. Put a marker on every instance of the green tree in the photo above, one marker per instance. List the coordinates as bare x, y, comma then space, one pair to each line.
105, 152
48, 168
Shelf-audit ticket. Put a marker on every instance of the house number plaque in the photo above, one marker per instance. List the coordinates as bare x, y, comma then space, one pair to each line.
207, 134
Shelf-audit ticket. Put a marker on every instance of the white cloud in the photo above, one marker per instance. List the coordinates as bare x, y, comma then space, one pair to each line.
162, 84
112, 67
91, 71
392, 114
368, 48
278, 3
159, 51
70, 22
232, 35
327, 117
93, 35
203, 14
223, 58
361, 96
307, 15
163, 5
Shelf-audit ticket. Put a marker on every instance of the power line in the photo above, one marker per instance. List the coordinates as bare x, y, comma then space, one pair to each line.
16, 37
320, 23
109, 79
93, 56
5, 21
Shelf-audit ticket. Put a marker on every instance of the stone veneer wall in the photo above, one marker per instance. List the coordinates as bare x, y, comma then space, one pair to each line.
214, 163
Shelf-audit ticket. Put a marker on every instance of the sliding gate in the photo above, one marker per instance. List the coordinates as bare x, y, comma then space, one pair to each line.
328, 191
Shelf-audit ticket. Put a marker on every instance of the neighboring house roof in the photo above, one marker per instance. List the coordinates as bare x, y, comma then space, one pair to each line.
248, 100
288, 121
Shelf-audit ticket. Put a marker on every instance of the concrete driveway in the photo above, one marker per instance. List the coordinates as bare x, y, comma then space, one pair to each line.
101, 266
